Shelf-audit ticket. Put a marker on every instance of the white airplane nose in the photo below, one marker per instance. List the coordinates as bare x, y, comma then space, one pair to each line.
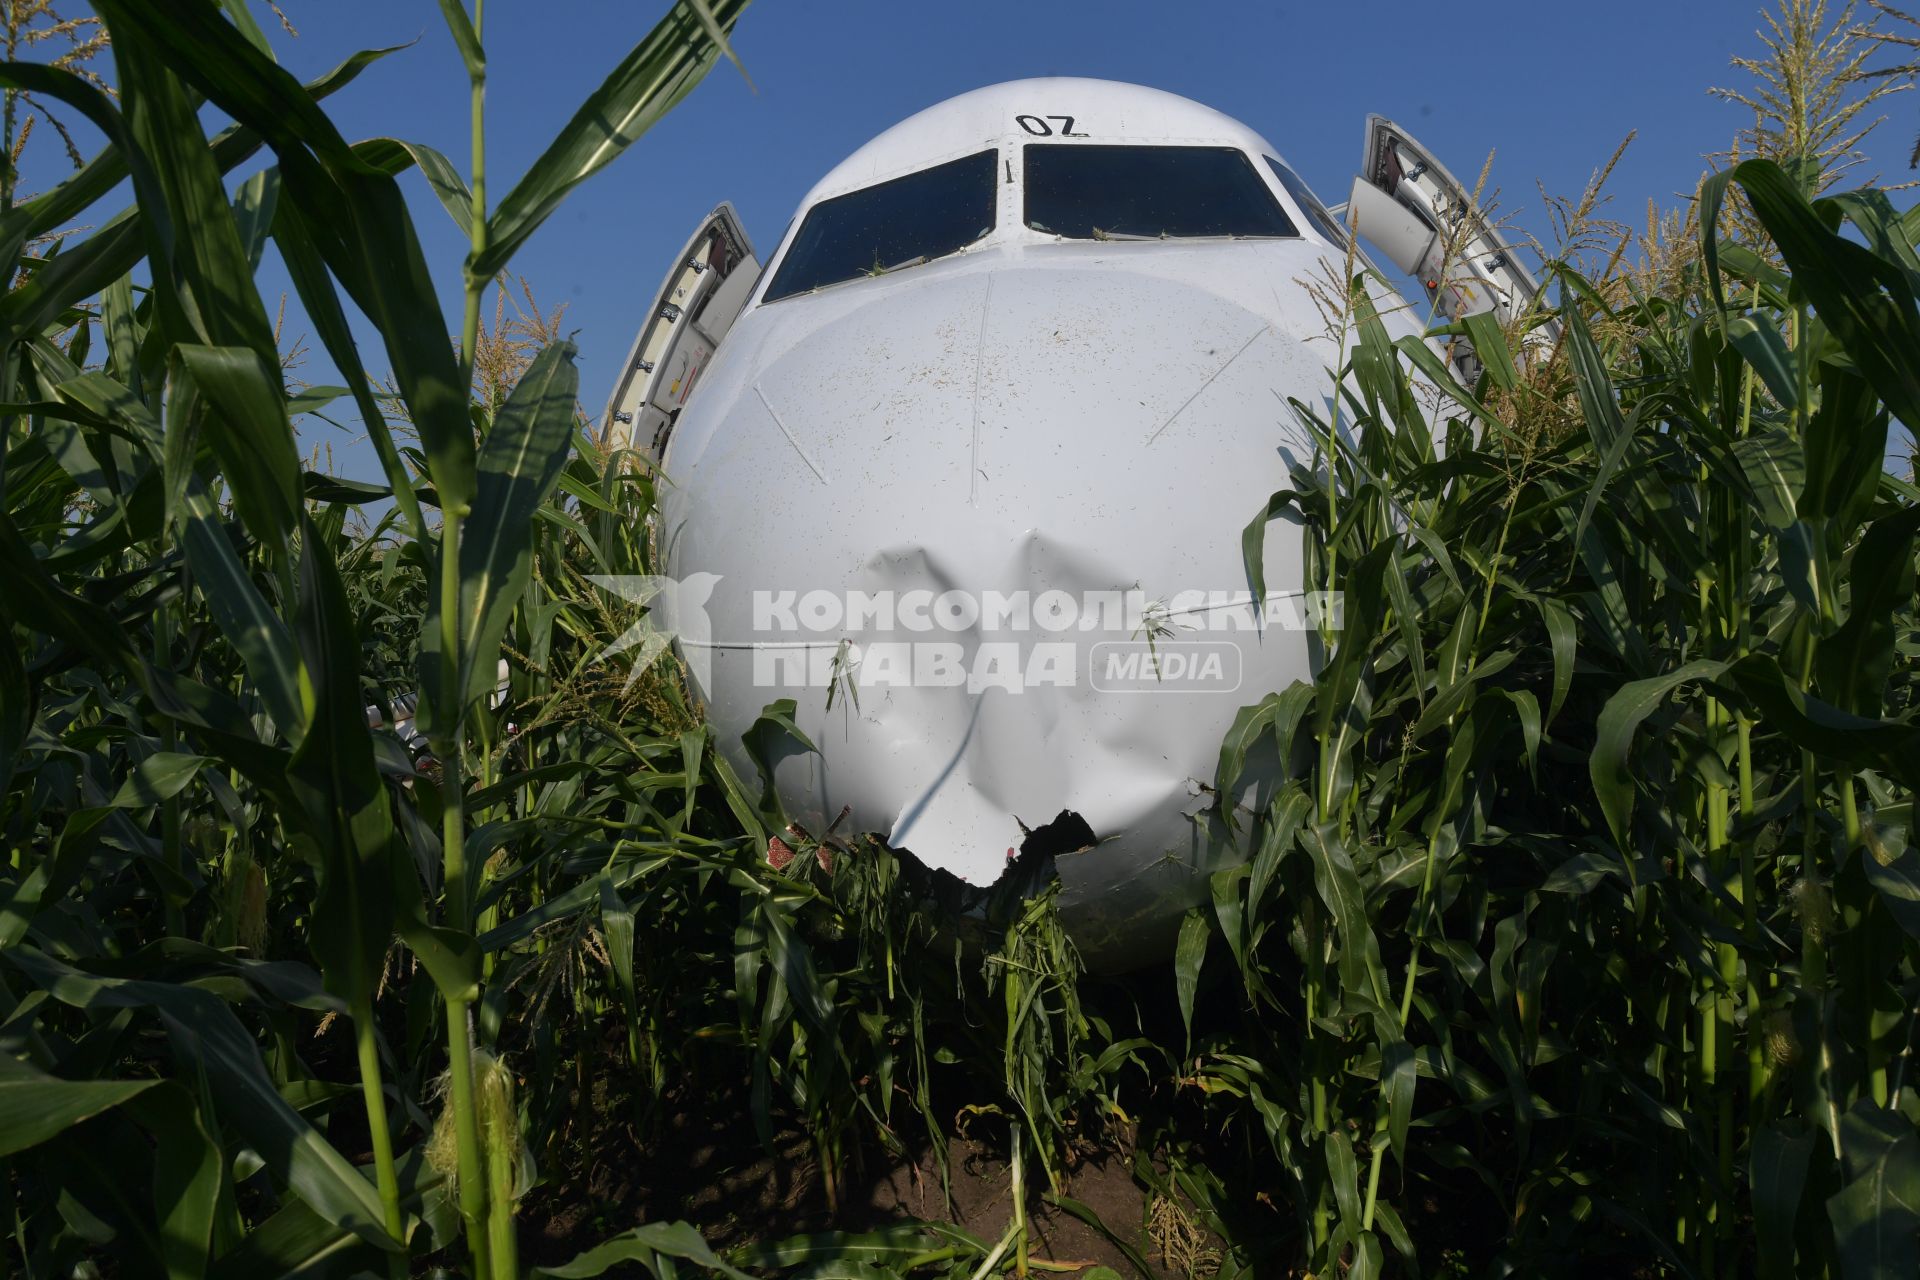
977, 385
1058, 435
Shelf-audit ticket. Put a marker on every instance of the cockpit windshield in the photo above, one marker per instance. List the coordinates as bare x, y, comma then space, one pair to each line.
890, 225
1095, 192
1303, 196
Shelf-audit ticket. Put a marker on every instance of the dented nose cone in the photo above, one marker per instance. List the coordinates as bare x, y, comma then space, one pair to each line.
986, 533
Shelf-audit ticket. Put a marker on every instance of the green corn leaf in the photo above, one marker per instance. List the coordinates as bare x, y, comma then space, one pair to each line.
1361, 615
1745, 264
243, 21
793, 963
344, 813
1805, 568
519, 464
650, 81
1777, 1174
647, 1246
1278, 839
1886, 231
1228, 894
202, 277
465, 38
246, 424
94, 179
18, 701
1383, 380
37, 601
1368, 1259
894, 1243
101, 398
1344, 1174
1845, 445
108, 167
1763, 347
1876, 1216
772, 738
1277, 714
1856, 661
1399, 1077
107, 254
451, 957
1558, 620
577, 898
1441, 374
1820, 727
161, 776
296, 1241
220, 724
123, 330
253, 207
354, 209
204, 1030
361, 230
238, 608
1620, 719
1189, 953
710, 21
319, 487
195, 41
1490, 344
394, 155
1867, 303
1898, 884
846, 1269
693, 746
33, 1110
616, 922
1407, 619
108, 1169
1363, 976
1458, 694
1591, 383
1253, 541
1581, 873
1526, 709
1776, 473
311, 282
187, 1177
1713, 195
1086, 1214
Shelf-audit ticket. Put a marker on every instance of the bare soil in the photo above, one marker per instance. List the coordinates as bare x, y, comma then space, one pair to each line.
711, 1171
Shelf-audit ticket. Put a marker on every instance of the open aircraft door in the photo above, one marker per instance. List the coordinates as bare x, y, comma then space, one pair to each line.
1406, 204
702, 295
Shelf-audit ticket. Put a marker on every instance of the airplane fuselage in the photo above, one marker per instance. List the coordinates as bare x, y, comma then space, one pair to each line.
974, 489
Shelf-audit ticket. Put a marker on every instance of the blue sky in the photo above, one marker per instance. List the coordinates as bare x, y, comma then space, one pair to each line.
1551, 87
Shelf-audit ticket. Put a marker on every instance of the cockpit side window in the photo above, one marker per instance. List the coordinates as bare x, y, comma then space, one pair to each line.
1323, 219
1096, 192
890, 225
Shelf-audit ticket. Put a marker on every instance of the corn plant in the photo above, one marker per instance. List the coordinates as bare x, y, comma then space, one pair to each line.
1591, 879
186, 697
